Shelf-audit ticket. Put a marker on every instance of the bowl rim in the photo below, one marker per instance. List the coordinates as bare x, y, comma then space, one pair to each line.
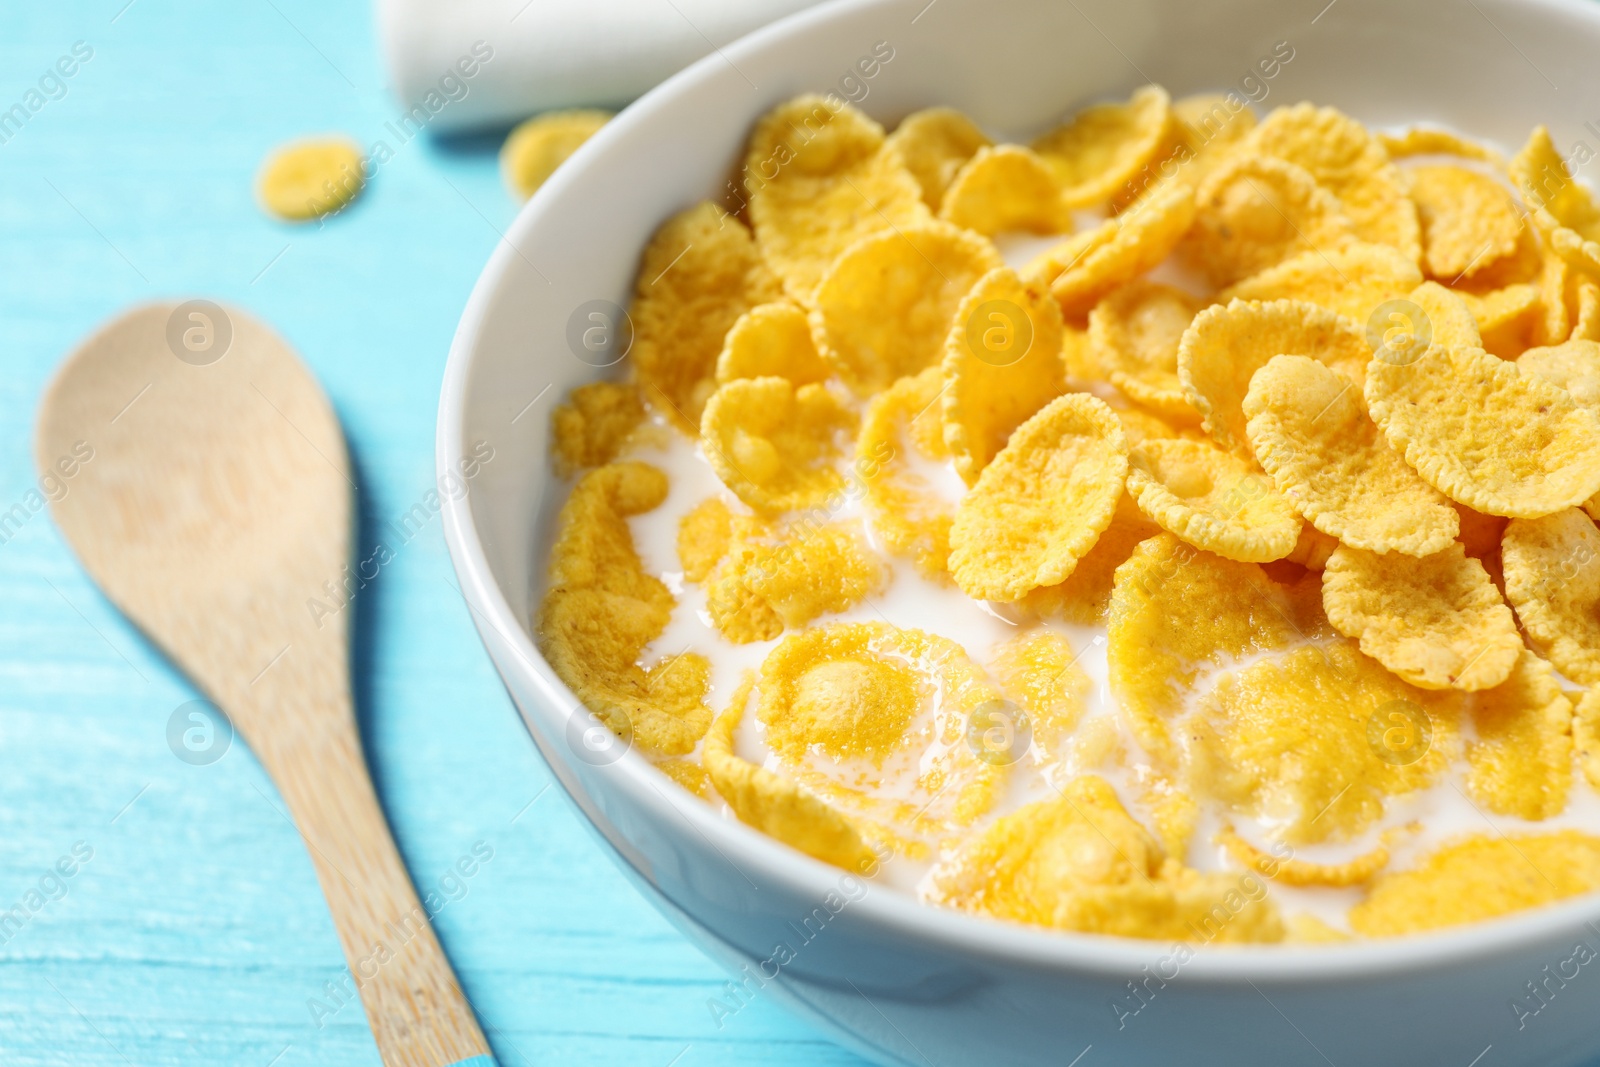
974, 937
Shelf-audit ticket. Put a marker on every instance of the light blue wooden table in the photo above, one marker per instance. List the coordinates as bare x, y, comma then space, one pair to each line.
195, 932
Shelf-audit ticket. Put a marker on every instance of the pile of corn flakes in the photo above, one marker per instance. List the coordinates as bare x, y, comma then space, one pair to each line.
1296, 424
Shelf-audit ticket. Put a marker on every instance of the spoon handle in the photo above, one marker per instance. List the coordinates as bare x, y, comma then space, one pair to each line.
413, 1001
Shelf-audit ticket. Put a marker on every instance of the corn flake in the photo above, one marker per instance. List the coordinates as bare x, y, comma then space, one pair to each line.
1484, 434
935, 143
1103, 148
1468, 220
1352, 280
593, 425
1039, 507
1573, 367
1081, 862
870, 700
776, 805
832, 689
1085, 597
1002, 362
1554, 299
1521, 300
1211, 125
1437, 622
884, 309
773, 444
1290, 739
1584, 298
1309, 430
1298, 872
1141, 425
1449, 318
1521, 761
1078, 355
704, 534
907, 514
1176, 610
1212, 500
1507, 316
1311, 554
1226, 344
1090, 265
1254, 212
1423, 141
688, 774
602, 609
1351, 164
1564, 211
767, 578
700, 272
1586, 735
1135, 333
538, 146
311, 179
1039, 671
771, 341
1477, 878
1552, 572
1002, 189
820, 178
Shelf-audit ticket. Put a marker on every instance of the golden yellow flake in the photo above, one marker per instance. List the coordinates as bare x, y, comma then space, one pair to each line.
1438, 622
1485, 434
1477, 878
1226, 344
700, 273
778, 806
1520, 763
1044, 501
771, 341
1134, 333
1103, 148
1212, 500
1310, 740
1079, 861
1309, 430
935, 143
1351, 164
1297, 872
601, 611
538, 146
774, 445
311, 179
594, 424
1355, 280
1552, 573
1565, 212
885, 308
819, 178
912, 519
1002, 362
1002, 189
1091, 264
1254, 212
1468, 220
1176, 611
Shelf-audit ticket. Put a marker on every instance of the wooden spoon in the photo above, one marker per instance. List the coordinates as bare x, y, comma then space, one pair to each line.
216, 504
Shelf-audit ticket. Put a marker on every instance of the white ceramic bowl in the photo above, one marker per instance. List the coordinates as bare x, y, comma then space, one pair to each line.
895, 980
